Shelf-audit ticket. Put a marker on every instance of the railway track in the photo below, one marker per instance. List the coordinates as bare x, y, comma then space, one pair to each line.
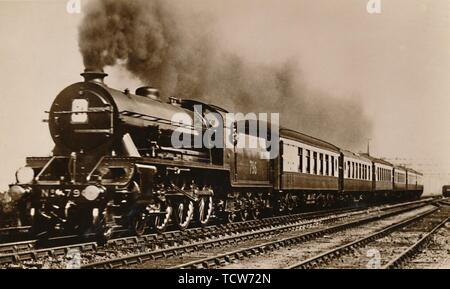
229, 257
407, 254
170, 258
431, 251
17, 247
14, 234
381, 243
24, 254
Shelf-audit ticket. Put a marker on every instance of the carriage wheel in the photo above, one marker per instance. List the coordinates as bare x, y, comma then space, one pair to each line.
244, 214
256, 206
205, 210
290, 205
184, 214
256, 211
162, 221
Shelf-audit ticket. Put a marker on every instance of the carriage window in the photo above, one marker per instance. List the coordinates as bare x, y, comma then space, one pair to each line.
321, 163
315, 163
348, 170
308, 161
327, 164
79, 111
300, 156
332, 166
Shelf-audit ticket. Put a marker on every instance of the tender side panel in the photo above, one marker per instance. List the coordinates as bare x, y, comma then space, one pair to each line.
251, 164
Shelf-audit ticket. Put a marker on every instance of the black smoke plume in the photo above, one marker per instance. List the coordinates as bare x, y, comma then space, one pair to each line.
161, 45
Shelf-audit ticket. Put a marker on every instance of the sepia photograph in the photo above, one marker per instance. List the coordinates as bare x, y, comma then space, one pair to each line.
244, 135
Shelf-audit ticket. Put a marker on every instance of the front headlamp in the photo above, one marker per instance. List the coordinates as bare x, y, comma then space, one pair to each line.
25, 175
16, 192
91, 193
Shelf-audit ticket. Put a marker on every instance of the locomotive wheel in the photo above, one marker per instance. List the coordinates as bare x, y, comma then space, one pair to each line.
139, 224
184, 214
162, 221
205, 209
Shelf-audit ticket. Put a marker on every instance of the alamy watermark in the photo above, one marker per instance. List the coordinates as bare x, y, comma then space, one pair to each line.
73, 258
73, 6
375, 259
229, 130
373, 7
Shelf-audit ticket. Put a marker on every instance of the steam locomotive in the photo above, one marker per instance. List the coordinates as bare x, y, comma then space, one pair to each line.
114, 166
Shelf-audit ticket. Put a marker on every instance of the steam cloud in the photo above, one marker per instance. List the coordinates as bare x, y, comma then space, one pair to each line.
179, 53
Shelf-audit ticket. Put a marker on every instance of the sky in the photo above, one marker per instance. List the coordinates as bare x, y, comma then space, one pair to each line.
397, 62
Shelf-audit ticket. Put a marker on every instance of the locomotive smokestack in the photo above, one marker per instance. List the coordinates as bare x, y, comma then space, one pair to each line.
94, 75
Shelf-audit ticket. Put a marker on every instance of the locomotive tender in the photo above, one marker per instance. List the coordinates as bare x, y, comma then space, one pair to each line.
114, 166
